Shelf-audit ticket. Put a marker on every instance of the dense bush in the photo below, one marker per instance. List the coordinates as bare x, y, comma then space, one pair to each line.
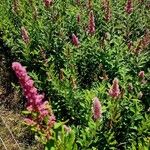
74, 50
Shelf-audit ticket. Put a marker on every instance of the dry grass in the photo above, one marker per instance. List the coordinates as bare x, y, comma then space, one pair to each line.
13, 135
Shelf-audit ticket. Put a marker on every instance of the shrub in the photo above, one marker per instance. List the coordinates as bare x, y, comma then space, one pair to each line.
75, 51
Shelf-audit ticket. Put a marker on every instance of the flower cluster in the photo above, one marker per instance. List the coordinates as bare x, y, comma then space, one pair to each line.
97, 109
48, 3
129, 7
35, 104
141, 74
25, 35
15, 6
75, 40
143, 42
91, 27
114, 90
89, 4
107, 10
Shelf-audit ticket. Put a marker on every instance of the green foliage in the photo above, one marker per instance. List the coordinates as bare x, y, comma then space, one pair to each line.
71, 76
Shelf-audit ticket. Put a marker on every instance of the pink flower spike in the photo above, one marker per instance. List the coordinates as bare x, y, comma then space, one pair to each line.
48, 3
91, 26
38, 99
114, 90
39, 111
75, 40
25, 35
128, 7
29, 107
97, 109
141, 74
107, 10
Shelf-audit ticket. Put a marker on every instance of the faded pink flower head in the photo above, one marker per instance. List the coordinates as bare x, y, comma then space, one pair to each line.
48, 3
67, 129
141, 74
107, 10
129, 44
140, 95
91, 26
114, 90
75, 40
97, 109
130, 87
15, 6
128, 6
52, 120
25, 35
89, 4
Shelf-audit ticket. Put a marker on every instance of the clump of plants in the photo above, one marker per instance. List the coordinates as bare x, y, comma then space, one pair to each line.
90, 60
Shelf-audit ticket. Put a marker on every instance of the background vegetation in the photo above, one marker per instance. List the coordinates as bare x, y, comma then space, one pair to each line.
39, 35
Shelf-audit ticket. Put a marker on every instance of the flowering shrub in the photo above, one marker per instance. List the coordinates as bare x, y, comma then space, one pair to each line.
40, 113
77, 52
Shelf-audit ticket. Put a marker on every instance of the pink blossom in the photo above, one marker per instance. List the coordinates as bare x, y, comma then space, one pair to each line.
91, 26
51, 121
141, 74
114, 90
35, 101
75, 40
128, 6
97, 109
25, 35
48, 3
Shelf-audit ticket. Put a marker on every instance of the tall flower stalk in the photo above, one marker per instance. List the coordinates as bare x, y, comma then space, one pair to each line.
129, 7
25, 35
107, 10
89, 4
91, 26
75, 40
96, 109
114, 91
40, 113
15, 6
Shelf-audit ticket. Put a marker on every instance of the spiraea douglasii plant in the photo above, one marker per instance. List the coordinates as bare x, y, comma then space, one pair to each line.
91, 59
